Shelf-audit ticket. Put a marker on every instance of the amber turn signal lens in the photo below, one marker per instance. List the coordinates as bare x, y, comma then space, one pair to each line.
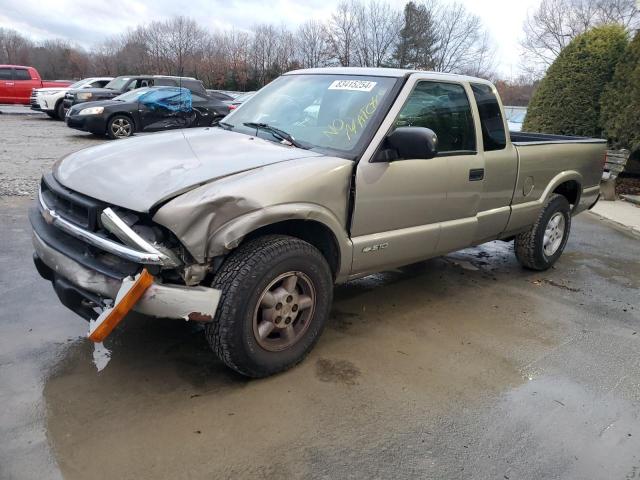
112, 317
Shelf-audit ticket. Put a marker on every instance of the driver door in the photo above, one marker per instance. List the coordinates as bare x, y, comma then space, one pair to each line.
411, 209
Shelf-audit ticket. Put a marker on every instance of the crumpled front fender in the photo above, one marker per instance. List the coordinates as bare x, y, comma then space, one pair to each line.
212, 220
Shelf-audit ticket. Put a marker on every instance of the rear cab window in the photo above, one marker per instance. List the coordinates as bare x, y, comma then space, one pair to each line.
445, 109
491, 122
22, 74
6, 73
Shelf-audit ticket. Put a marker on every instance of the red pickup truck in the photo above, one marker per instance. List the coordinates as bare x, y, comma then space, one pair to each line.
16, 83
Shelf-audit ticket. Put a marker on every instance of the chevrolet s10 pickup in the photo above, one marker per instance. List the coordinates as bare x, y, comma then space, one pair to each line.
325, 175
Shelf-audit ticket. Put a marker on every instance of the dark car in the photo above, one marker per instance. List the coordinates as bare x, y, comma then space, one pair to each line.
146, 110
123, 84
218, 95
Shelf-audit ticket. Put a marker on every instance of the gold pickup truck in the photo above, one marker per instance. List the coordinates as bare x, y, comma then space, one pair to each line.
323, 176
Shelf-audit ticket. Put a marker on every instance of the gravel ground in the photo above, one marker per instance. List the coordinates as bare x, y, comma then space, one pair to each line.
30, 145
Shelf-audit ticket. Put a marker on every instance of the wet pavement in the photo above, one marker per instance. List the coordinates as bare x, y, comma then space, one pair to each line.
464, 366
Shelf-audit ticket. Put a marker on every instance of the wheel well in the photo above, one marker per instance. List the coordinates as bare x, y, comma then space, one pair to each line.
570, 190
121, 114
315, 233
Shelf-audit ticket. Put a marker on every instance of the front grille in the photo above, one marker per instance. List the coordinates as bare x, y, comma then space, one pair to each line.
33, 100
72, 206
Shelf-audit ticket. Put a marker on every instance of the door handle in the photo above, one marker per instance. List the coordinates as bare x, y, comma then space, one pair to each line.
476, 174
9, 84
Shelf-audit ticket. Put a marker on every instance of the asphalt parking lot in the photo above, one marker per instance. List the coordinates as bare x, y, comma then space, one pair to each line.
461, 367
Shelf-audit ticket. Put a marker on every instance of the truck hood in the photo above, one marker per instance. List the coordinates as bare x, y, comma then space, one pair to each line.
138, 173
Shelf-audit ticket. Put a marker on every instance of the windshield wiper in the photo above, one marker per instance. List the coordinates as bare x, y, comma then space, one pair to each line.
226, 125
286, 138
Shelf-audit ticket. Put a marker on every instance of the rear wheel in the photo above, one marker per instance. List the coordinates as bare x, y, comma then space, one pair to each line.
541, 246
120, 126
276, 296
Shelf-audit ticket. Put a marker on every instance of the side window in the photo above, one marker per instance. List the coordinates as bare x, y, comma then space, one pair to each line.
99, 83
22, 74
445, 109
493, 135
5, 74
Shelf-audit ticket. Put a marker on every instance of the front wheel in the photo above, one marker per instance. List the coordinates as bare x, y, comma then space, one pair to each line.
120, 126
60, 111
276, 296
541, 246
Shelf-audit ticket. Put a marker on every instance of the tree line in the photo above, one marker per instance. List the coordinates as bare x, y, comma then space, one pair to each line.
428, 35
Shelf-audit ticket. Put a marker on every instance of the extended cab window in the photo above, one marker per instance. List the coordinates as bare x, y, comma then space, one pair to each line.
22, 74
493, 135
445, 109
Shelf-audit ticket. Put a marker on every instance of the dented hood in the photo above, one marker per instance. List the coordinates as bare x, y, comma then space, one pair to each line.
140, 172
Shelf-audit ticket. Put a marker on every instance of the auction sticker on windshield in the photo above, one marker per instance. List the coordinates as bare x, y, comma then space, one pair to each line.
358, 85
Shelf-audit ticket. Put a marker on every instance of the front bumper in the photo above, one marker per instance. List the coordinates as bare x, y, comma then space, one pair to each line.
86, 292
87, 123
87, 277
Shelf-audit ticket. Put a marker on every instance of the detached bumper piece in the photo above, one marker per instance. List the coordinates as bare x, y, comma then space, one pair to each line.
127, 297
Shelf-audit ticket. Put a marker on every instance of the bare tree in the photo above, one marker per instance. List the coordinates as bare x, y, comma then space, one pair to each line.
14, 48
377, 27
555, 23
460, 35
311, 44
341, 31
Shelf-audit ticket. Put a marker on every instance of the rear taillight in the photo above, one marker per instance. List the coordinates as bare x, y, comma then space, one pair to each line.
604, 160
232, 107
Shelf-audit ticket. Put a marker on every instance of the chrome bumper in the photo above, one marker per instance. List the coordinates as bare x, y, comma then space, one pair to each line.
138, 250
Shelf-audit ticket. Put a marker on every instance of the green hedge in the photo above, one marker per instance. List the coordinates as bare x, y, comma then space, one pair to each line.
567, 101
621, 101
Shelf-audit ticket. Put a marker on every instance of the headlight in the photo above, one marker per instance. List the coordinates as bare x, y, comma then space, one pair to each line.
84, 96
91, 111
52, 92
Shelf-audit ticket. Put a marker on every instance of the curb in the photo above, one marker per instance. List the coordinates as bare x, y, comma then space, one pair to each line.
635, 199
620, 226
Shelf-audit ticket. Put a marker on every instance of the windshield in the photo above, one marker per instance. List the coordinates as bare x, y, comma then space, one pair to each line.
117, 83
132, 95
327, 112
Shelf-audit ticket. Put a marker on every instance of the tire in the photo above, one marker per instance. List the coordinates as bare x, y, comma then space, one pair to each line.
235, 334
51, 114
60, 111
530, 247
120, 126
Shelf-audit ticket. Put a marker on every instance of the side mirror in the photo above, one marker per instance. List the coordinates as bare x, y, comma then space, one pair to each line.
412, 142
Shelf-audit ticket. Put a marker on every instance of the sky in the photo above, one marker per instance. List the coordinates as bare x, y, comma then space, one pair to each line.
88, 23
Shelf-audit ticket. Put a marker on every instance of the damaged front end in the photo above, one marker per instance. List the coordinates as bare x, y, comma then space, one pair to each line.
92, 252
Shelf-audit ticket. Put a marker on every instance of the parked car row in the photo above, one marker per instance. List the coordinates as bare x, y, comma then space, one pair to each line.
121, 106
